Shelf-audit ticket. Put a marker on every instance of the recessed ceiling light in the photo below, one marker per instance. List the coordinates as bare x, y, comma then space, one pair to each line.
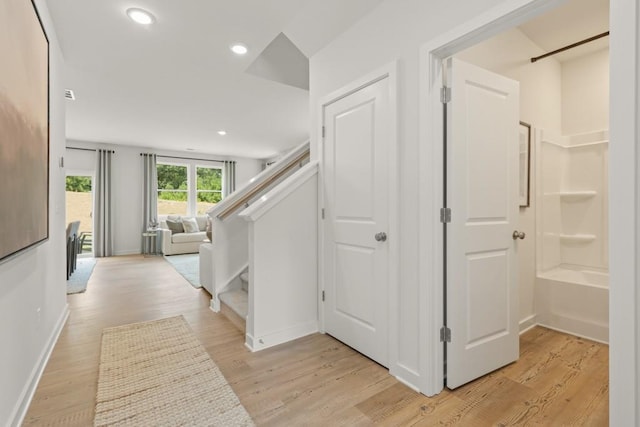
239, 48
222, 132
140, 16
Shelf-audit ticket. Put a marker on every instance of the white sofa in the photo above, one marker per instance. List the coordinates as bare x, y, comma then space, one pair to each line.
182, 243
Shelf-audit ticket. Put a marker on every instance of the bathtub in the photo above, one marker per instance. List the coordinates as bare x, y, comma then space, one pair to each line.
574, 301
581, 277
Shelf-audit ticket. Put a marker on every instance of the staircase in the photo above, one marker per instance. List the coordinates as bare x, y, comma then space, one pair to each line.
269, 226
234, 304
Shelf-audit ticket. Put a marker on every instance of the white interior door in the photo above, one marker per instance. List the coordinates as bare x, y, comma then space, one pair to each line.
356, 144
482, 192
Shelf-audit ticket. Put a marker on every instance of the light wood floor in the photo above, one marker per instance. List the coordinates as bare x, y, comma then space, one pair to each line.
316, 380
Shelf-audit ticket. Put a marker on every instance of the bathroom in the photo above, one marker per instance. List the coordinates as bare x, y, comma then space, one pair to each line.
564, 109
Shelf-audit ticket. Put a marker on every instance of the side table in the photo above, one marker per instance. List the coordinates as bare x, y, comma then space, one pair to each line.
150, 242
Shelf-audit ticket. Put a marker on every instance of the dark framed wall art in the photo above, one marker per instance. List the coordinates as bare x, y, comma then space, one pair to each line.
24, 128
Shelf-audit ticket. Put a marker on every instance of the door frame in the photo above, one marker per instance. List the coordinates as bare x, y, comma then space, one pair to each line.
431, 180
390, 72
624, 214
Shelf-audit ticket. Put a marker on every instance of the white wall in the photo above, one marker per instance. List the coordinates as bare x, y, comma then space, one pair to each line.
246, 169
585, 93
79, 162
395, 30
283, 260
509, 54
32, 285
127, 184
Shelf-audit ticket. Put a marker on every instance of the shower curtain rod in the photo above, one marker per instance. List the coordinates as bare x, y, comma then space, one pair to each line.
571, 46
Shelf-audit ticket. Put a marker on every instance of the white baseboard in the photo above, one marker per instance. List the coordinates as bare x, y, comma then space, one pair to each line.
20, 410
405, 375
127, 252
279, 337
579, 328
215, 305
528, 323
408, 384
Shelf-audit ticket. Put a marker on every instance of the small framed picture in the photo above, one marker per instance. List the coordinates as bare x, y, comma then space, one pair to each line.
525, 162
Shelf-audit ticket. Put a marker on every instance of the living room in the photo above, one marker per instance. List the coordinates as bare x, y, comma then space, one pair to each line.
127, 182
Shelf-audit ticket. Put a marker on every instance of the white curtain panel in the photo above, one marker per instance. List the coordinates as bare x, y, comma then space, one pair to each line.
102, 206
229, 178
149, 198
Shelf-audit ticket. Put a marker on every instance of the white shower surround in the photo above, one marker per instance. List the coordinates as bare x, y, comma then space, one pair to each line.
572, 284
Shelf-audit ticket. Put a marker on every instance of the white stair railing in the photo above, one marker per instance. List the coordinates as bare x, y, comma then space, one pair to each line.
261, 183
230, 242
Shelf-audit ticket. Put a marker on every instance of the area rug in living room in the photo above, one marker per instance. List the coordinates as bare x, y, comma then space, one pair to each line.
188, 266
78, 280
158, 373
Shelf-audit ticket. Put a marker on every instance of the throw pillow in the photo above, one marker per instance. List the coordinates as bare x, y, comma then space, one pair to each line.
190, 225
175, 226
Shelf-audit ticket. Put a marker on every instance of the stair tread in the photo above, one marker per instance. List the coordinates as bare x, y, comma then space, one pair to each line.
237, 300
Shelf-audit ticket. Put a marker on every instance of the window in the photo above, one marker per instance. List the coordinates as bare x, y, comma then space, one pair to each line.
209, 188
188, 189
173, 189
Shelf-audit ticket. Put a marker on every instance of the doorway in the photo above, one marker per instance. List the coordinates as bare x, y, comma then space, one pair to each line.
433, 56
79, 207
563, 263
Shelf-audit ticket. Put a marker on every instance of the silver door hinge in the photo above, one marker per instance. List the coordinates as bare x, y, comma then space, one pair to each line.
322, 295
445, 215
323, 131
445, 94
322, 213
445, 334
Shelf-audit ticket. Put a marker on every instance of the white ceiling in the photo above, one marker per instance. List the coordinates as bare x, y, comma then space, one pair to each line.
174, 84
574, 21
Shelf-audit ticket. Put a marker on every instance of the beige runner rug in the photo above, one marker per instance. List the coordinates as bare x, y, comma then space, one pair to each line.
158, 374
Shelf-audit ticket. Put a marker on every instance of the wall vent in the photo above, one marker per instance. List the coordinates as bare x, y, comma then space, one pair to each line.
68, 94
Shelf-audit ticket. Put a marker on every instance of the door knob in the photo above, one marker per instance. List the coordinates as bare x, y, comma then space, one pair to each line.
518, 235
381, 237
